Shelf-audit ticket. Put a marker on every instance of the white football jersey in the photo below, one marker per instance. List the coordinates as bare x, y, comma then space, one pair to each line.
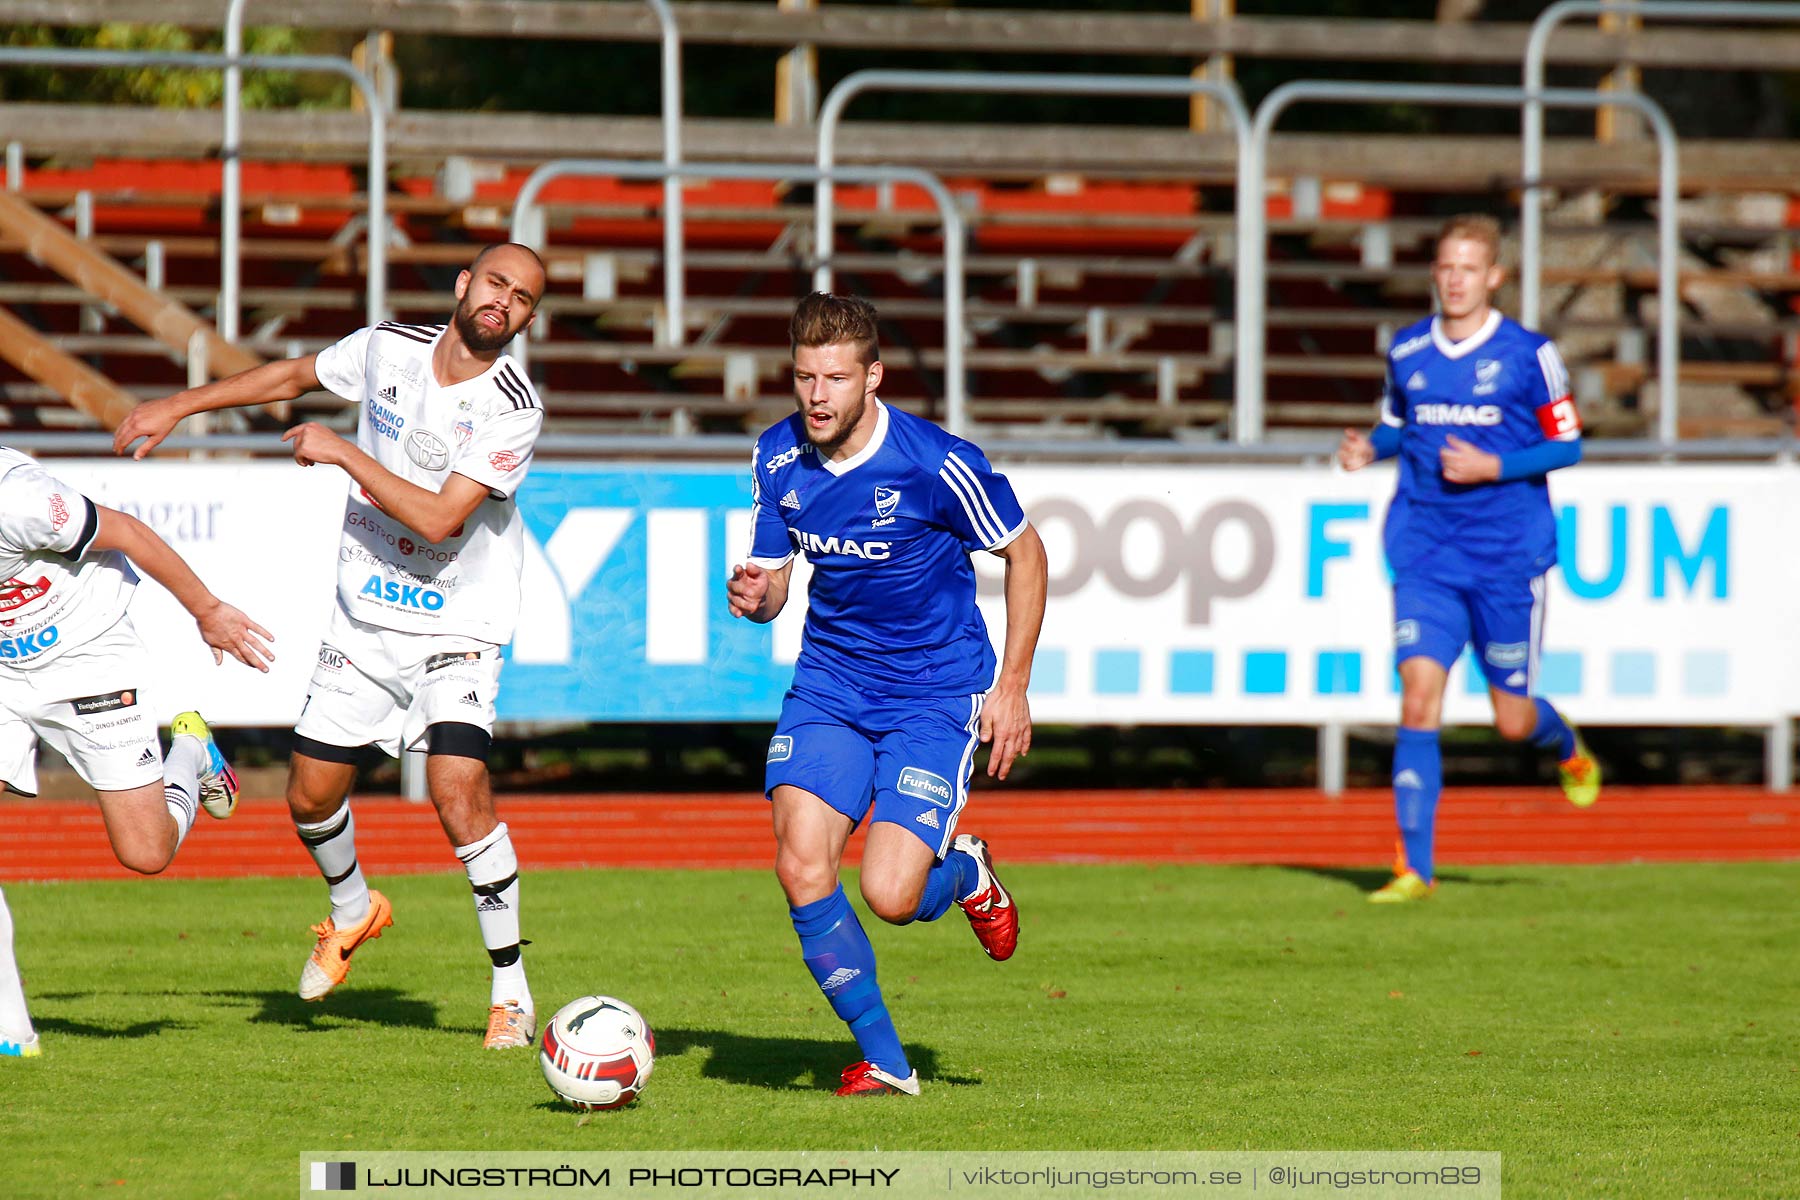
483, 428
56, 594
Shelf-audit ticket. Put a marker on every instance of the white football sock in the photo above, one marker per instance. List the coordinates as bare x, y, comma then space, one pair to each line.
15, 1020
332, 844
181, 782
494, 877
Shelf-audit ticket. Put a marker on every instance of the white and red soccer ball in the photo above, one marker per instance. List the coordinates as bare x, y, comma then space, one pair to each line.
597, 1053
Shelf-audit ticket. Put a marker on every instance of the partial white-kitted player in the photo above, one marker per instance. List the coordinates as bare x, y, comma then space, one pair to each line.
428, 592
74, 672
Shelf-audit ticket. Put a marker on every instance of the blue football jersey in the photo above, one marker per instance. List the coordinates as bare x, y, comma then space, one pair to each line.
1502, 389
888, 531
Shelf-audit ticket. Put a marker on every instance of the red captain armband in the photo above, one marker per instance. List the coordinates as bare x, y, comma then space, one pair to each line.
1559, 419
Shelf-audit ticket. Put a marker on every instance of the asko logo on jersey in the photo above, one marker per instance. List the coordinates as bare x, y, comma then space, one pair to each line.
390, 591
29, 646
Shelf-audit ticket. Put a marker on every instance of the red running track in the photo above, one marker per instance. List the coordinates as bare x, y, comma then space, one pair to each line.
66, 840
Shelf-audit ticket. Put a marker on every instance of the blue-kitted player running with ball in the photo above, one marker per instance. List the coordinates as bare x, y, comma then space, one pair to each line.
896, 682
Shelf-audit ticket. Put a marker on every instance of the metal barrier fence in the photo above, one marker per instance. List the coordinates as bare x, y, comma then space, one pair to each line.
1249, 218
376, 294
1249, 403
1248, 416
955, 377
1531, 216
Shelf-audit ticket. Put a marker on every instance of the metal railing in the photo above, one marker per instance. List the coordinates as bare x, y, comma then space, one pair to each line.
1249, 219
376, 294
955, 376
674, 215
1253, 257
1531, 217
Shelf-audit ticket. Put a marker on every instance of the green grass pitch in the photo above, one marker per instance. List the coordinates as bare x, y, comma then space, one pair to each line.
1624, 1031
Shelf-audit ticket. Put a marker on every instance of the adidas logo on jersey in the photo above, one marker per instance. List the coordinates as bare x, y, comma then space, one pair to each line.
1417, 382
838, 979
791, 500
928, 818
1408, 778
1516, 679
389, 393
471, 699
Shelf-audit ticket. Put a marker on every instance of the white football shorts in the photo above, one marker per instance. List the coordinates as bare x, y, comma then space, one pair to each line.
89, 703
381, 687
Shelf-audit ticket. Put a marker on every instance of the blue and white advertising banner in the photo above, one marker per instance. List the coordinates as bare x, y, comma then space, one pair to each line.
1251, 595
1232, 595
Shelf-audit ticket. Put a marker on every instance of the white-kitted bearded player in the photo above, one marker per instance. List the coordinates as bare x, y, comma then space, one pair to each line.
74, 672
428, 592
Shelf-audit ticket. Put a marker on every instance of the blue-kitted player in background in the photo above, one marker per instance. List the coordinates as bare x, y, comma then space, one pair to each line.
896, 680
1479, 412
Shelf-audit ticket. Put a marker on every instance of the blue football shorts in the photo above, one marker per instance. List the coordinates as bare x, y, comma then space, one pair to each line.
909, 758
1503, 620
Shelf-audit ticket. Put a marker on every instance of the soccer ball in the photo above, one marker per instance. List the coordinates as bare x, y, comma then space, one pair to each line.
597, 1053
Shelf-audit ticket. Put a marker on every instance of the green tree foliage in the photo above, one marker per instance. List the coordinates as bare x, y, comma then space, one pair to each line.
167, 87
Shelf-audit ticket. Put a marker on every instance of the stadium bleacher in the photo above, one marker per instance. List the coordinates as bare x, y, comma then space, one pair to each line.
1100, 267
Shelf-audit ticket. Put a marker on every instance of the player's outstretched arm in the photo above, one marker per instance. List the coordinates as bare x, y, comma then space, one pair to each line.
434, 516
1006, 718
758, 593
225, 629
154, 420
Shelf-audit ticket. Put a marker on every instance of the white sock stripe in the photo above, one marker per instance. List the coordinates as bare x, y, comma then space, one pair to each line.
319, 832
176, 796
473, 849
491, 859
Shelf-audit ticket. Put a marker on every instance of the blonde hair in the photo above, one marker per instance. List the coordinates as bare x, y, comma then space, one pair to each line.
823, 319
1473, 227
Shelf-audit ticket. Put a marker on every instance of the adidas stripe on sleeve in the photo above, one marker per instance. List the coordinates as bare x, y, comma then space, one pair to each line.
977, 501
1557, 415
499, 455
422, 334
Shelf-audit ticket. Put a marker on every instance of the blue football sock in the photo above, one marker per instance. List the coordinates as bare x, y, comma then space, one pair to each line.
1552, 733
948, 881
838, 954
1418, 778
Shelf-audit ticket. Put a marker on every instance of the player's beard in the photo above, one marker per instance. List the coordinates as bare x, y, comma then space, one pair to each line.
475, 335
839, 432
